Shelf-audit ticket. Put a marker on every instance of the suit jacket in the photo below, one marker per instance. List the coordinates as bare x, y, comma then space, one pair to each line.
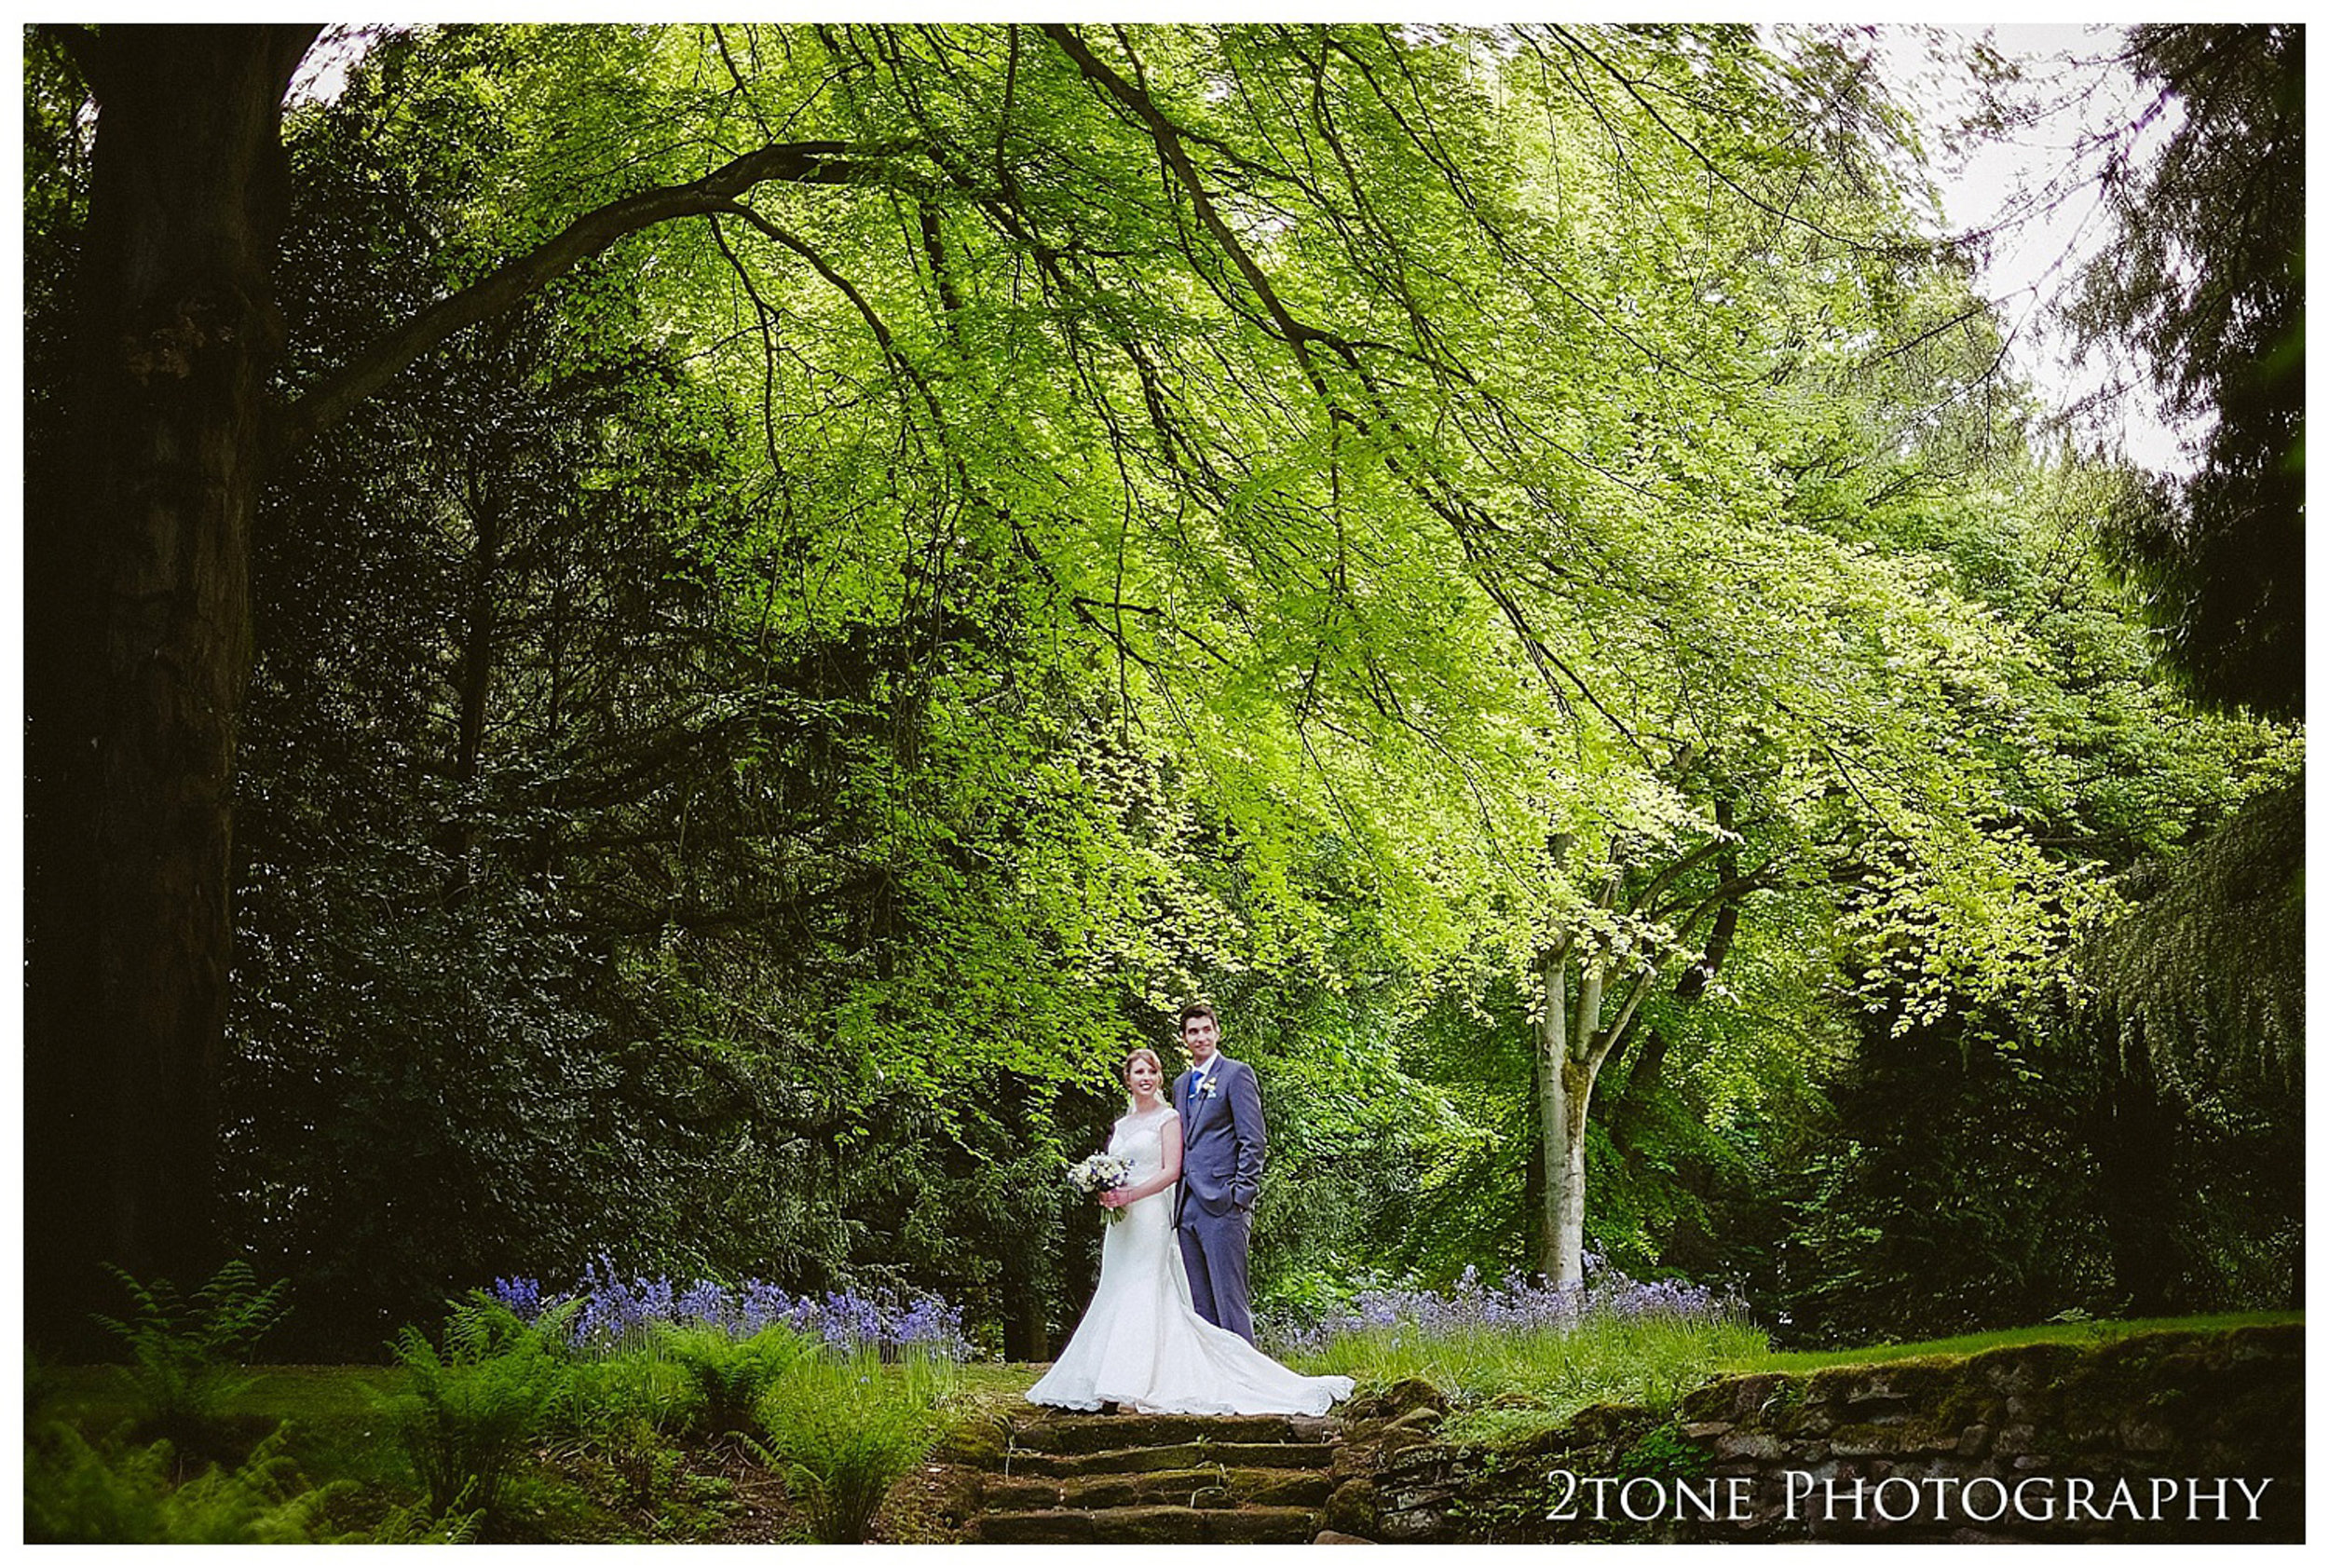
1221, 1140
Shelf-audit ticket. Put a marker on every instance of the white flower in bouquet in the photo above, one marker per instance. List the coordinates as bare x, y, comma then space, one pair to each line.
1095, 1174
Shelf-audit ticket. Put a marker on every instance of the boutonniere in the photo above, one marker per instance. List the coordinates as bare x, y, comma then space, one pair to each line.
1205, 1090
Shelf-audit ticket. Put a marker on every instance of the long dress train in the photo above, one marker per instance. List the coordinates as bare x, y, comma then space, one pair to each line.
1141, 1344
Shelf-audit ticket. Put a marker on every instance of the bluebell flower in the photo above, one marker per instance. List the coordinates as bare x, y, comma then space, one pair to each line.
1517, 1304
523, 1297
615, 1311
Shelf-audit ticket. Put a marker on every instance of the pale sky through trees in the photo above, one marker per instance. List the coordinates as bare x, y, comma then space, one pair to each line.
2037, 189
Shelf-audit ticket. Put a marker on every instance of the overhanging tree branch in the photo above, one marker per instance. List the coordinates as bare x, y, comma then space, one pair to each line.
792, 162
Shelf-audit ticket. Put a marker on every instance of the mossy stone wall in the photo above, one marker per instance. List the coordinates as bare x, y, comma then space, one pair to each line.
2158, 1437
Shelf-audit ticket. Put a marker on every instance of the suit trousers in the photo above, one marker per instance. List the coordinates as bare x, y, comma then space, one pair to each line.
1213, 1249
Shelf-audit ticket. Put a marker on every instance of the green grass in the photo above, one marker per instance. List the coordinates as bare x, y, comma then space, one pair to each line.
2086, 1331
1502, 1383
337, 1425
1507, 1388
998, 1384
339, 1429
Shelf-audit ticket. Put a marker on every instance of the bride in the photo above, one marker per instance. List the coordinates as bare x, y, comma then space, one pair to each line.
1141, 1344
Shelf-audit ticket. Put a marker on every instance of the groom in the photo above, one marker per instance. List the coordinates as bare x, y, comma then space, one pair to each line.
1220, 1171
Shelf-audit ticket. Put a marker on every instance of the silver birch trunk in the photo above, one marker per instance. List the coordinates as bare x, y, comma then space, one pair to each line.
1567, 1062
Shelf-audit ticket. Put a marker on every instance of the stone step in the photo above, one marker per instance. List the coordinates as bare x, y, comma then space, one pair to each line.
1171, 1456
1210, 1486
1090, 1433
1173, 1525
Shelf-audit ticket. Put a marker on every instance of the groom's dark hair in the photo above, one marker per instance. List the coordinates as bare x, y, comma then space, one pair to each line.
1197, 1010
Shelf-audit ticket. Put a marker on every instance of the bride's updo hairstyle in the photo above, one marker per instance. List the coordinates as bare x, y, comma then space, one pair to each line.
1139, 1053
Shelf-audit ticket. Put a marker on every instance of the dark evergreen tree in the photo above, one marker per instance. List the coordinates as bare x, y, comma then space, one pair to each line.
2207, 276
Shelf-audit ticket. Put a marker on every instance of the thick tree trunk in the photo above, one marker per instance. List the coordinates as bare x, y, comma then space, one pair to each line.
135, 682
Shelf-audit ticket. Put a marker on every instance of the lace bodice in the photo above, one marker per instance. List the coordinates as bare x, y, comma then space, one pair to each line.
1140, 1136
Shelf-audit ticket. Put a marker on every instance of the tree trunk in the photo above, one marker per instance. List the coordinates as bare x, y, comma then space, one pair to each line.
458, 838
1564, 1089
1568, 1092
135, 684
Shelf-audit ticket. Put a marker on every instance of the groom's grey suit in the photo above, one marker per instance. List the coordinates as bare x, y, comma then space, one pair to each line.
1223, 1137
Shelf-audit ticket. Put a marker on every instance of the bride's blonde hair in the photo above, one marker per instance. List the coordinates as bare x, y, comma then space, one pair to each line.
1139, 1053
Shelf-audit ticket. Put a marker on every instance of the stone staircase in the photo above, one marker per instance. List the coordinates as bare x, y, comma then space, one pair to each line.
1063, 1477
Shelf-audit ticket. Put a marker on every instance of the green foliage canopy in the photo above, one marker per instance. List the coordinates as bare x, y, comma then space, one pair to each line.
1317, 513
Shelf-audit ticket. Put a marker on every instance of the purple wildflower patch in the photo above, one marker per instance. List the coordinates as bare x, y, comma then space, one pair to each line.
1518, 1305
617, 1311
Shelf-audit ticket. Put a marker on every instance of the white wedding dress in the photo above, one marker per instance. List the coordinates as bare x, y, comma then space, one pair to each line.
1141, 1344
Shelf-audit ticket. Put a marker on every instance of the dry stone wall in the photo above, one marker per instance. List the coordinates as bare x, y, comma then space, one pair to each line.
2164, 1437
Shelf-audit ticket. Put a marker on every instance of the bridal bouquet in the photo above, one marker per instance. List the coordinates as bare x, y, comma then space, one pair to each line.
1095, 1174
